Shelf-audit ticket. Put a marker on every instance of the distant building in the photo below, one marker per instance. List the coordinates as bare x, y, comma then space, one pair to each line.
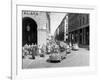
35, 27
61, 32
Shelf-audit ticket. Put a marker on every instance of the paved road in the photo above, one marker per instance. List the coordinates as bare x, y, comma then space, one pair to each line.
75, 58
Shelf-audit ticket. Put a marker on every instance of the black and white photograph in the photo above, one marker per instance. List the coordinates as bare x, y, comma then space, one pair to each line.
55, 39
51, 40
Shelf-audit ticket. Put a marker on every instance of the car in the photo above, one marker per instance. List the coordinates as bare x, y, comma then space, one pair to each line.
65, 47
68, 49
75, 47
55, 57
62, 49
63, 55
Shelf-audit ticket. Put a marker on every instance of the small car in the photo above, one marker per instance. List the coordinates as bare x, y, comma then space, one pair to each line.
63, 55
75, 47
62, 49
68, 49
55, 57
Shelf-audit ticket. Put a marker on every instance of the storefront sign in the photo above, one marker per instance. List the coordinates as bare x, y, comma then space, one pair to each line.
27, 12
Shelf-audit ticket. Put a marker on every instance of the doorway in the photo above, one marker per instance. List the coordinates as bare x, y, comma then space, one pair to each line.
29, 31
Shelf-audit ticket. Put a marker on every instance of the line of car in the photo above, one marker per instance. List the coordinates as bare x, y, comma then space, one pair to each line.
62, 52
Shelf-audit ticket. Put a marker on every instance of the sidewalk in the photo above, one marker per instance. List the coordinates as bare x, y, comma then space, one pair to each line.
84, 46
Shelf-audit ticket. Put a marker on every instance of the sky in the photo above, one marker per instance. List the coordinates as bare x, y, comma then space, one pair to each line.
55, 20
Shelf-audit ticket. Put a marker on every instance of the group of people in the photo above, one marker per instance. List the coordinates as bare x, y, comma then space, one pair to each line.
29, 50
41, 50
33, 50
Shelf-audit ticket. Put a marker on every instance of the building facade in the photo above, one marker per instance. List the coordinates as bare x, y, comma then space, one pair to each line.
61, 33
35, 27
78, 28
74, 28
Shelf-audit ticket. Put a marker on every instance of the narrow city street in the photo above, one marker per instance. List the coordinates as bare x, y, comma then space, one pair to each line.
74, 59
47, 36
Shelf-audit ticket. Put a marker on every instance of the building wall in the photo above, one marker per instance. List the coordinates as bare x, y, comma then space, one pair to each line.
62, 30
59, 33
77, 21
79, 28
42, 21
42, 37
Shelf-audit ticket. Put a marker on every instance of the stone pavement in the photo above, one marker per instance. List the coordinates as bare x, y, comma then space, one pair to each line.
74, 59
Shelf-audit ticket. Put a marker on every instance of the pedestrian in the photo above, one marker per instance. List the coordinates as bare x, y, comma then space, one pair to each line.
33, 52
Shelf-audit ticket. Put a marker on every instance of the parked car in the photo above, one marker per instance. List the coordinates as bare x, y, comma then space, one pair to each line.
62, 49
68, 49
55, 57
75, 47
63, 55
65, 47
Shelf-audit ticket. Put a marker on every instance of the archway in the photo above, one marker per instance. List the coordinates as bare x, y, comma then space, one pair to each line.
29, 31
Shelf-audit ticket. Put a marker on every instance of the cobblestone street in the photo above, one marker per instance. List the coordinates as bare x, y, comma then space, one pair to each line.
75, 58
